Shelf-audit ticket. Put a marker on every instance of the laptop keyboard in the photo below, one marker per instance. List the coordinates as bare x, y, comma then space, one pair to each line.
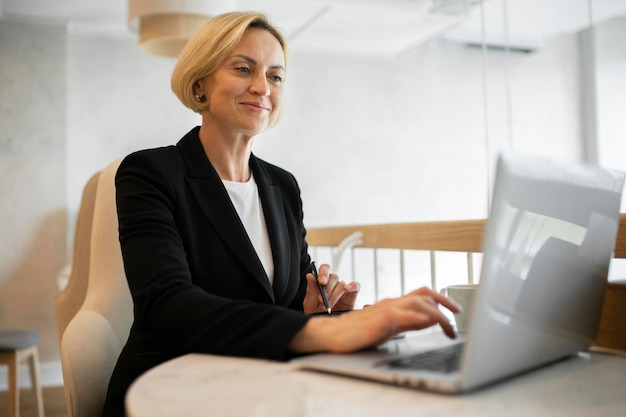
445, 360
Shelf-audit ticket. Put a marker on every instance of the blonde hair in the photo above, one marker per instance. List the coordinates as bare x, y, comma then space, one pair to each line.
210, 46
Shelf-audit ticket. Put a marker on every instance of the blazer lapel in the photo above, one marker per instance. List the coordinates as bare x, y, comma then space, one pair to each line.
272, 202
214, 201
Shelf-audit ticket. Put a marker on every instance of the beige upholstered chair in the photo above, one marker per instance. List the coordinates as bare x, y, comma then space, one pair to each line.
95, 336
68, 301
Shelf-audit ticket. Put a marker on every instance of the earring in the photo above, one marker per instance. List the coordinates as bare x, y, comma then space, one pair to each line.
198, 98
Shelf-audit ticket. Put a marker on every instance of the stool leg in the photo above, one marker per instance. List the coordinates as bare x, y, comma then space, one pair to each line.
33, 362
14, 386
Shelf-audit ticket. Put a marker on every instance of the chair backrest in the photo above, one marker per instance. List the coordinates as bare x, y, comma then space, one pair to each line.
68, 301
95, 336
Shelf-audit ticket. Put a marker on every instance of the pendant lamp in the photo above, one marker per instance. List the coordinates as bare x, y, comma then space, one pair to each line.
165, 26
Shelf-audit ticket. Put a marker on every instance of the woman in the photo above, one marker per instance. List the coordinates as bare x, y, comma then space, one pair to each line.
212, 237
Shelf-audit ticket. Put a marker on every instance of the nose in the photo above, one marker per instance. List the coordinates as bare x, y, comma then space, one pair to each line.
260, 85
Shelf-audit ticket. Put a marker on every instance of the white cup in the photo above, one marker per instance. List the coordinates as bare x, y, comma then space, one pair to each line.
464, 295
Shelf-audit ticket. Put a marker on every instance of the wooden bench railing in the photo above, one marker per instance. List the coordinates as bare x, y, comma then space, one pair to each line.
620, 245
463, 236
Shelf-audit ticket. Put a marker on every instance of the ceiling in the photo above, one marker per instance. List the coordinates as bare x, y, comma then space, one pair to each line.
364, 27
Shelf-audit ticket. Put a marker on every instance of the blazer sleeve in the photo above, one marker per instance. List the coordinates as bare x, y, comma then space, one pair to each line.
173, 313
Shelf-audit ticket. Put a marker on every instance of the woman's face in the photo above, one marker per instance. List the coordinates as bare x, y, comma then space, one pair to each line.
245, 93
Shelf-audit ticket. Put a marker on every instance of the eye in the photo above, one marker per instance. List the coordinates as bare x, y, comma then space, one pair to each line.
276, 79
243, 70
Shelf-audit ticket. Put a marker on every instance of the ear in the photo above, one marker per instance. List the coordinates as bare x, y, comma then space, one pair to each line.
198, 91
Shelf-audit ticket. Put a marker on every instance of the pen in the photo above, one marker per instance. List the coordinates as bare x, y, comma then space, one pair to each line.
322, 289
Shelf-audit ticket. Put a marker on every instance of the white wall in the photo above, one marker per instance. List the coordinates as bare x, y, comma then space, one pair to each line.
118, 101
406, 136
611, 101
32, 173
611, 91
405, 139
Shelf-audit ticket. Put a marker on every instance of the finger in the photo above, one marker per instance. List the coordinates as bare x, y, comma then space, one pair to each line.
323, 274
335, 289
331, 285
449, 303
311, 281
438, 298
313, 301
350, 293
312, 291
343, 289
437, 316
421, 302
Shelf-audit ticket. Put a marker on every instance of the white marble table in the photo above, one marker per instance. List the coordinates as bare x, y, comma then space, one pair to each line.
592, 384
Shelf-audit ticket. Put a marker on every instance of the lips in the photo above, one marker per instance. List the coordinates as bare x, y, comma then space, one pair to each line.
259, 106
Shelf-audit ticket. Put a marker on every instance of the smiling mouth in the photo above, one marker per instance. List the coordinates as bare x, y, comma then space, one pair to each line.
256, 106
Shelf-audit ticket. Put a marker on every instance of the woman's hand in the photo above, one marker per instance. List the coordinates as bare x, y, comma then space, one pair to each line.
375, 324
341, 295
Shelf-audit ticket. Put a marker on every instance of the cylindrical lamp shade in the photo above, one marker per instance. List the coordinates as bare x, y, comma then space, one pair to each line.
166, 34
165, 26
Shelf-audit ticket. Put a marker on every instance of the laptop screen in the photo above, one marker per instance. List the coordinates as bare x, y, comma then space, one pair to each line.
547, 249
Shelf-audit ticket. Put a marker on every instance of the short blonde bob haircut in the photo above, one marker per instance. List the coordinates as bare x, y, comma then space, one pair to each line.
210, 46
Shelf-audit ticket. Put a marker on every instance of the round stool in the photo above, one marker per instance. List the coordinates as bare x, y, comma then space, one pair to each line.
17, 346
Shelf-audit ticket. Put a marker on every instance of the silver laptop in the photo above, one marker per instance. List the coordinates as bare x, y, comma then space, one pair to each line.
547, 248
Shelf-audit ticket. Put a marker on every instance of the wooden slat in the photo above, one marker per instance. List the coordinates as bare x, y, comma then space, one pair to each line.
620, 245
459, 236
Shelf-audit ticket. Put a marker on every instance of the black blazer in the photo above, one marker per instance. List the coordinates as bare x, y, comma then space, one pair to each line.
196, 281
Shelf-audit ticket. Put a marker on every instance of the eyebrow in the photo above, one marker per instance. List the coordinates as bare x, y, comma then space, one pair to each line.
254, 61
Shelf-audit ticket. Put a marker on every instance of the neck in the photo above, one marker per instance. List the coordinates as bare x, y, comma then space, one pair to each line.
229, 155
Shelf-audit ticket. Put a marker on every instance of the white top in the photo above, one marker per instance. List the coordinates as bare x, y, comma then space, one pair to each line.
245, 198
